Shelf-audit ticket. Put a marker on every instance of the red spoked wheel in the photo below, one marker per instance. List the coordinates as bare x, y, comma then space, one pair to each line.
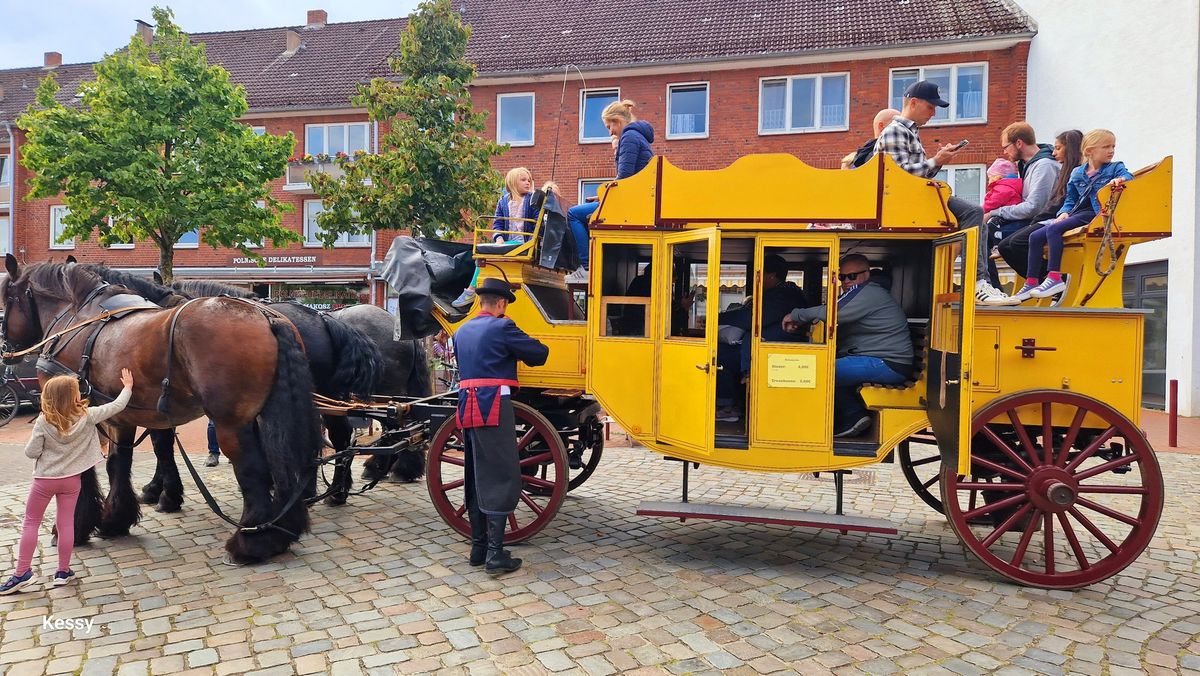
544, 475
1064, 491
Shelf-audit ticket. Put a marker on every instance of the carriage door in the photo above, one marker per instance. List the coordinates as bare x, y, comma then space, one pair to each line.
948, 390
687, 364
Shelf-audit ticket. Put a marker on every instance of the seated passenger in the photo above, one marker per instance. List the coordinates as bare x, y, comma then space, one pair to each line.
1079, 208
633, 139
1003, 185
779, 297
511, 210
873, 342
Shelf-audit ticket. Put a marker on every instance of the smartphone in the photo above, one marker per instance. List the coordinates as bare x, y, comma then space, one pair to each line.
961, 144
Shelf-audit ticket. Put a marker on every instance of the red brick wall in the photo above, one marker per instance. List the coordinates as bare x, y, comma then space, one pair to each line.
733, 116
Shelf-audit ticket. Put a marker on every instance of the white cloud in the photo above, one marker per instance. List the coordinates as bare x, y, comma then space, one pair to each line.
86, 30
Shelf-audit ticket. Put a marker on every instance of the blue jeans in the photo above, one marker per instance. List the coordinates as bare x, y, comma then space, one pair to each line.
577, 218
213, 448
849, 373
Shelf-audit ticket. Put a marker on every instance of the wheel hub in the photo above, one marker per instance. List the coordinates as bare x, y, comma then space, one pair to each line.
1052, 489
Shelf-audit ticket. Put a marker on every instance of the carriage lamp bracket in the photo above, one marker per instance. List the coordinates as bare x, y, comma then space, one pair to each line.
1029, 348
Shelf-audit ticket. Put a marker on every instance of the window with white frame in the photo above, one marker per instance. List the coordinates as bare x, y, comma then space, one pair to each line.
57, 213
126, 243
259, 131
5, 234
514, 119
804, 103
963, 86
590, 187
592, 103
312, 230
331, 139
966, 181
5, 170
687, 110
189, 240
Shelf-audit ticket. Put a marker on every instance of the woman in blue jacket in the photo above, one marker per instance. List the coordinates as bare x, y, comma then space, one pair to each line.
634, 137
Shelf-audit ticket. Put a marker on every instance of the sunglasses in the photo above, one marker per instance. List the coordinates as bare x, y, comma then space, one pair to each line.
850, 276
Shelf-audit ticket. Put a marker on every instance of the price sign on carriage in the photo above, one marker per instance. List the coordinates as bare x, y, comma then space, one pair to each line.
792, 370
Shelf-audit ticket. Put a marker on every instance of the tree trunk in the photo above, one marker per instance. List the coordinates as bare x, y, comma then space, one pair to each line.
166, 263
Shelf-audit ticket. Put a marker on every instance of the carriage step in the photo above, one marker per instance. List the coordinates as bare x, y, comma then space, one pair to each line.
783, 517
855, 449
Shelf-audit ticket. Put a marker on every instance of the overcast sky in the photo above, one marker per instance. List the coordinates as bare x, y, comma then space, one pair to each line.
85, 30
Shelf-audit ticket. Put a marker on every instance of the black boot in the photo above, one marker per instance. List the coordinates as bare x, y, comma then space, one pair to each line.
479, 539
499, 561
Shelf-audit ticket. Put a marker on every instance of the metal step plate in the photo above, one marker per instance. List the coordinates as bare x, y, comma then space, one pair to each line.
783, 517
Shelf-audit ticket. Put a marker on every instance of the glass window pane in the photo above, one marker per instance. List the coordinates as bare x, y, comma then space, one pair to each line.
516, 120
311, 209
337, 139
589, 189
967, 185
190, 237
5, 179
940, 77
969, 98
804, 102
259, 131
315, 140
901, 79
773, 105
689, 110
594, 104
358, 138
943, 176
833, 101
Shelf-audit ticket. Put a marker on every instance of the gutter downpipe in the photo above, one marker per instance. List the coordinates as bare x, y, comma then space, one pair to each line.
371, 264
12, 188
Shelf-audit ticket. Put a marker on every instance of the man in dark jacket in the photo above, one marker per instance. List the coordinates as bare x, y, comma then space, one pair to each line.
488, 348
873, 342
779, 297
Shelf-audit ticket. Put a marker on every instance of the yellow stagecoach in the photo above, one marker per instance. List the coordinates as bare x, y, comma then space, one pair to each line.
1039, 463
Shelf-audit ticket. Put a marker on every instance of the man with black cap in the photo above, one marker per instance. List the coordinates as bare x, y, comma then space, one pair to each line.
488, 348
901, 140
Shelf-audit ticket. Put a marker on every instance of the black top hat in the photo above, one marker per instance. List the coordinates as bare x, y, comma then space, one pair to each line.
925, 90
494, 286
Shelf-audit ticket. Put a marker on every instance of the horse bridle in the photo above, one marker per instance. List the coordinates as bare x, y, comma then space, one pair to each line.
35, 317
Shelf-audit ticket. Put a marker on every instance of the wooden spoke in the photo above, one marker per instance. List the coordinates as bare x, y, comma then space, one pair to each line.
999, 504
1110, 465
1022, 436
1092, 448
453, 484
1117, 490
1006, 526
512, 520
1072, 434
461, 510
1073, 540
931, 482
985, 486
526, 438
1048, 525
537, 509
1091, 528
539, 459
1023, 546
534, 481
454, 460
996, 467
1047, 435
1109, 512
926, 461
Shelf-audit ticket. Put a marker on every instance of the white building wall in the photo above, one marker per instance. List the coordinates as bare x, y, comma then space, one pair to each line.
1133, 67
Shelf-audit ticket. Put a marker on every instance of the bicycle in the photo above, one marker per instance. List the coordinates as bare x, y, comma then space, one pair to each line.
18, 388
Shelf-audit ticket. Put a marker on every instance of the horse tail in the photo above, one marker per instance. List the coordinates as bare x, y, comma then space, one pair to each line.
289, 427
358, 363
418, 378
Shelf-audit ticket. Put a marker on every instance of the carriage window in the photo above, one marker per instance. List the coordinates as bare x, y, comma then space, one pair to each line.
625, 289
780, 294
689, 279
557, 304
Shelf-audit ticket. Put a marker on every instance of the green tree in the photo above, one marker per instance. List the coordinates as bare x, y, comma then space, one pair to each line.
433, 172
155, 150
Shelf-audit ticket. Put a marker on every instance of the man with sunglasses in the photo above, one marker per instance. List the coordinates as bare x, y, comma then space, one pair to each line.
901, 140
873, 342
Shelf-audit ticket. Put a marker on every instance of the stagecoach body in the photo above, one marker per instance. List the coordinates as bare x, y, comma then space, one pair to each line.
1021, 398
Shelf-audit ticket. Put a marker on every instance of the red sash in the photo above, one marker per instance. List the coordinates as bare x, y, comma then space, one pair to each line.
479, 401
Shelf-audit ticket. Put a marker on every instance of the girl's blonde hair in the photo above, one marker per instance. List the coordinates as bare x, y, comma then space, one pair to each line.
62, 405
514, 175
1095, 137
619, 110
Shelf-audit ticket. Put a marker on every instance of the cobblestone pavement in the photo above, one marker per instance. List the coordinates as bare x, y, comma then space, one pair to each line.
382, 586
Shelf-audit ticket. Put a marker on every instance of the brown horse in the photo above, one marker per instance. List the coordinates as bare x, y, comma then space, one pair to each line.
242, 367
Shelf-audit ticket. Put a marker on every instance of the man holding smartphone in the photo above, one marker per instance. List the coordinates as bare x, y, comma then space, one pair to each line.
901, 140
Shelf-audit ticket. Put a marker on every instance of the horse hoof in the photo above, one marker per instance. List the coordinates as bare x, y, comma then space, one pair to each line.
165, 506
336, 500
148, 498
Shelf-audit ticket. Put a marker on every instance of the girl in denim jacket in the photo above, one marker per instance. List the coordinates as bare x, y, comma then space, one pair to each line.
1079, 208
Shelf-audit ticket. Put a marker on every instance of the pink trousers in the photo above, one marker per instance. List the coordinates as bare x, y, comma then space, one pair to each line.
65, 491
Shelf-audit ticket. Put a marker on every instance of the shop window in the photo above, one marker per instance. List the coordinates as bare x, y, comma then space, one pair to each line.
625, 285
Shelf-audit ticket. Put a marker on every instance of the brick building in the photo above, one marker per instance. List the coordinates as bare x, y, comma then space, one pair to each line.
716, 80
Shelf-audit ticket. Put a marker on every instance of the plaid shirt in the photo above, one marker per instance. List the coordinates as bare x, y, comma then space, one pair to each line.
901, 140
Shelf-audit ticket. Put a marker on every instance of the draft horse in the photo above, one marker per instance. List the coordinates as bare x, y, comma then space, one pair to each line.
241, 366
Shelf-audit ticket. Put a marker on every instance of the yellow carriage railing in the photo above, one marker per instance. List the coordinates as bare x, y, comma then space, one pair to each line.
517, 244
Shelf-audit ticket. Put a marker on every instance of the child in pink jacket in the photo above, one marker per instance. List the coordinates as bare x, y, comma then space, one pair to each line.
1003, 185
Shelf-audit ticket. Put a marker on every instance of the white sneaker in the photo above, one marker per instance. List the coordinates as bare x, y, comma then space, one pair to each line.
465, 299
1047, 288
986, 294
580, 276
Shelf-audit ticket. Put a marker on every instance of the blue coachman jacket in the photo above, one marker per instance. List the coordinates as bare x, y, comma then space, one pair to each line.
633, 150
1082, 188
488, 348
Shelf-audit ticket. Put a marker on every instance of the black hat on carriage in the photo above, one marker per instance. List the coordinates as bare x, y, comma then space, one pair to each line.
496, 287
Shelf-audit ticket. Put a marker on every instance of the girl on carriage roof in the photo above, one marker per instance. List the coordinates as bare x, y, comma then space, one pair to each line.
514, 216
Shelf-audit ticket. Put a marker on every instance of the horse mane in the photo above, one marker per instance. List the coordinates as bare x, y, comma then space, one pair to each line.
201, 288
65, 282
155, 293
